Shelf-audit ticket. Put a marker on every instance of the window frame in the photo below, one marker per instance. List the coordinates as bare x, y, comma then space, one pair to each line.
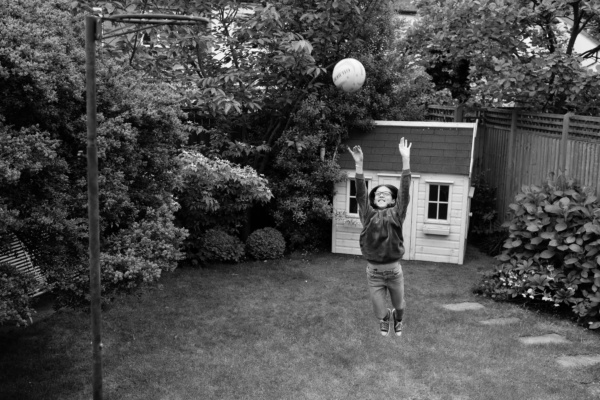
438, 183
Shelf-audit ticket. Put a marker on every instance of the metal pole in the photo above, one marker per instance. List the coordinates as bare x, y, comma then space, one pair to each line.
93, 203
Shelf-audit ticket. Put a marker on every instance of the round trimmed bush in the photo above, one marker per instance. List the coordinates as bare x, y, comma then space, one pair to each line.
265, 244
217, 245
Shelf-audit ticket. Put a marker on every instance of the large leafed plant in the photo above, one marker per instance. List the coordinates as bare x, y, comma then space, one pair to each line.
553, 250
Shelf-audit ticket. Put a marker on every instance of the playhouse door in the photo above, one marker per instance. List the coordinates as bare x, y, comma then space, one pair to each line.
408, 232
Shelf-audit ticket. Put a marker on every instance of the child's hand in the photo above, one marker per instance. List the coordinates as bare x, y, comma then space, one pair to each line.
357, 154
404, 148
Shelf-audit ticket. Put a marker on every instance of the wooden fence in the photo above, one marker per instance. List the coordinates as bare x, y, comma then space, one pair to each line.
515, 148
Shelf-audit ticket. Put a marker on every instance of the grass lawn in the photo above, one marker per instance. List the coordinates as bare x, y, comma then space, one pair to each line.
300, 328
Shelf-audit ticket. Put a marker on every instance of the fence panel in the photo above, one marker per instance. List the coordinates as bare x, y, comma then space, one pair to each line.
440, 113
582, 162
540, 142
537, 156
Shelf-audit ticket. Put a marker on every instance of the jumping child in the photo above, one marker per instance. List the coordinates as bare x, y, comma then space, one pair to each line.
382, 214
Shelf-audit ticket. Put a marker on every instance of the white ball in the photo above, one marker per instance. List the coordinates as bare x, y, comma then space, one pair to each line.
349, 75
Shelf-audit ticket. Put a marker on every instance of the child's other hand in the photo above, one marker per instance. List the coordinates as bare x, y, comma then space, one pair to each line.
357, 154
404, 148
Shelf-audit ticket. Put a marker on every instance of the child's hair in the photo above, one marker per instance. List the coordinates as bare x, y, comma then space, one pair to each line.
392, 188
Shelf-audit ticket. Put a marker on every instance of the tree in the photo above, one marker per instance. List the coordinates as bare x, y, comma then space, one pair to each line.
249, 71
245, 68
43, 193
516, 50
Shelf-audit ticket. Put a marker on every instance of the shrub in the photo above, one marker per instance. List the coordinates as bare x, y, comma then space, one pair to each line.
483, 229
492, 243
265, 244
43, 191
211, 185
15, 288
552, 253
483, 207
302, 182
137, 259
217, 245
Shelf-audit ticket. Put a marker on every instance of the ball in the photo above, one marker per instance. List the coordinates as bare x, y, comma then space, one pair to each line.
349, 75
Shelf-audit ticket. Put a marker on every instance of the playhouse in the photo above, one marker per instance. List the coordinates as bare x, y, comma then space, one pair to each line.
437, 219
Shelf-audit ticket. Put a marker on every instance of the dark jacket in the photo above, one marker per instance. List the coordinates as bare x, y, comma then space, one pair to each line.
381, 239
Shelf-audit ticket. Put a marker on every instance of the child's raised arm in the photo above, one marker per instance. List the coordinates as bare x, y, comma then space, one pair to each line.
404, 192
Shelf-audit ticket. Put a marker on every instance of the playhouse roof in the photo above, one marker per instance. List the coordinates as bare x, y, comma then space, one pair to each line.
437, 147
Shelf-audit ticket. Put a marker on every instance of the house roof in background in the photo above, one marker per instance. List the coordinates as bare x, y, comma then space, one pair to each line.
586, 32
405, 6
437, 147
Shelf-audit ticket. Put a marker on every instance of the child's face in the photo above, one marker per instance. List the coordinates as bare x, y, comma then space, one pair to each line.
383, 197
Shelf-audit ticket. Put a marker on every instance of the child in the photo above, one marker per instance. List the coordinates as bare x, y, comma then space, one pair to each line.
382, 214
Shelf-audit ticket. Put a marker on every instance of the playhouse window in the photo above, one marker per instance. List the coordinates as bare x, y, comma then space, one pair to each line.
439, 198
352, 202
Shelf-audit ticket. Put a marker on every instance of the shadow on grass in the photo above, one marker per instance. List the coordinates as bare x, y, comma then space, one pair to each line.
43, 361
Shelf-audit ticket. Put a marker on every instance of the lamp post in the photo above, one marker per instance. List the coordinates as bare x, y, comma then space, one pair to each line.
93, 32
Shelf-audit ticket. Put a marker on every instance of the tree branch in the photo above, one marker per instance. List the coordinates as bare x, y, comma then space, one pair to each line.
290, 115
590, 53
135, 43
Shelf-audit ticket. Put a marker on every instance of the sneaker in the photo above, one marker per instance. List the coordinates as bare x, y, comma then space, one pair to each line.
397, 324
384, 324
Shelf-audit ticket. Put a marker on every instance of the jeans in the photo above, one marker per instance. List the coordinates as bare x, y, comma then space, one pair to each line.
381, 282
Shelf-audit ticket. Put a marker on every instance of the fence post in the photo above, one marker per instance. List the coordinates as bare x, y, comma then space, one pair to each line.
458, 113
510, 161
480, 144
564, 140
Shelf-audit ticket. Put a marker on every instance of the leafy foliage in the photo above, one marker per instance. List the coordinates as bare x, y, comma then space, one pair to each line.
216, 192
303, 182
515, 51
216, 245
43, 193
15, 288
483, 230
483, 206
553, 250
265, 244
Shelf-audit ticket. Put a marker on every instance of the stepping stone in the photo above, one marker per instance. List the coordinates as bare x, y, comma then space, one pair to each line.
500, 321
578, 361
544, 339
463, 306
